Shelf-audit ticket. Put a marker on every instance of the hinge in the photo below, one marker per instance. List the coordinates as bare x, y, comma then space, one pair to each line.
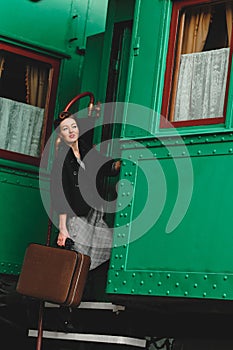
136, 46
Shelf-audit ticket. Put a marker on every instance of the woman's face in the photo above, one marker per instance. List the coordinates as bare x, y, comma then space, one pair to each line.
69, 131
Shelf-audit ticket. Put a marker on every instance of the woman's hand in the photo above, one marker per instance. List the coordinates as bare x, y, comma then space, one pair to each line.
61, 238
117, 165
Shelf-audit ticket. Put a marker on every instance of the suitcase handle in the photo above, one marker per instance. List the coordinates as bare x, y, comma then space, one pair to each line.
69, 243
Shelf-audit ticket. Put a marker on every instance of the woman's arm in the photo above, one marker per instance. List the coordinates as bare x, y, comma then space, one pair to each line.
63, 232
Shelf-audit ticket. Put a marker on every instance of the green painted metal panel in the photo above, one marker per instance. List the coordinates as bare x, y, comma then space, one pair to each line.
148, 61
52, 22
156, 252
37, 22
91, 78
97, 12
22, 215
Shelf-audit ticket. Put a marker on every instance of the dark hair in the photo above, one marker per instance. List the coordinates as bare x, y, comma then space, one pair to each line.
63, 115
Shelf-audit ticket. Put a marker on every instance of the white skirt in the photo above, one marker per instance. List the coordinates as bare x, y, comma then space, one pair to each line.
92, 237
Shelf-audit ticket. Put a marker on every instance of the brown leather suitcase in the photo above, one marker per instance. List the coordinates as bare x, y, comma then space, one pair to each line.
53, 274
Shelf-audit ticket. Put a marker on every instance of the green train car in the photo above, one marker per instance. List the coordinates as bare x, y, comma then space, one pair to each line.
172, 224
160, 72
42, 45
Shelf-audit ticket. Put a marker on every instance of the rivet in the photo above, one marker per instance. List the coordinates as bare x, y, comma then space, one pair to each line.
126, 173
207, 140
169, 154
112, 266
132, 290
122, 183
124, 282
204, 294
109, 281
141, 155
230, 150
155, 154
191, 141
224, 295
142, 282
195, 285
117, 274
167, 292
130, 156
168, 275
159, 283
130, 174
123, 194
149, 291
199, 152
116, 256
177, 284
125, 215
115, 289
225, 278
122, 267
124, 245
124, 163
214, 286
223, 138
185, 293
214, 151
121, 256
151, 275
205, 277
119, 204
133, 274
183, 153
186, 276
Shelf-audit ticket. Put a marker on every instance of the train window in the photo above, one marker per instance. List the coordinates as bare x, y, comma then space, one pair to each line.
198, 62
27, 84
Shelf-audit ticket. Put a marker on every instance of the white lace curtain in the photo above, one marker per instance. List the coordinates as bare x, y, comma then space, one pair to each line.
20, 127
201, 85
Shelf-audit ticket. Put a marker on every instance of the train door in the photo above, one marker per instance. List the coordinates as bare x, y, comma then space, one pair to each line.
106, 74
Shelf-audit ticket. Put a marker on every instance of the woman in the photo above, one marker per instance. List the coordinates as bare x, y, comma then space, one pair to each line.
76, 192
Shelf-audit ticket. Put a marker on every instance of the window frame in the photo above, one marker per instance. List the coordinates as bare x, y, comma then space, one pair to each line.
50, 100
178, 5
